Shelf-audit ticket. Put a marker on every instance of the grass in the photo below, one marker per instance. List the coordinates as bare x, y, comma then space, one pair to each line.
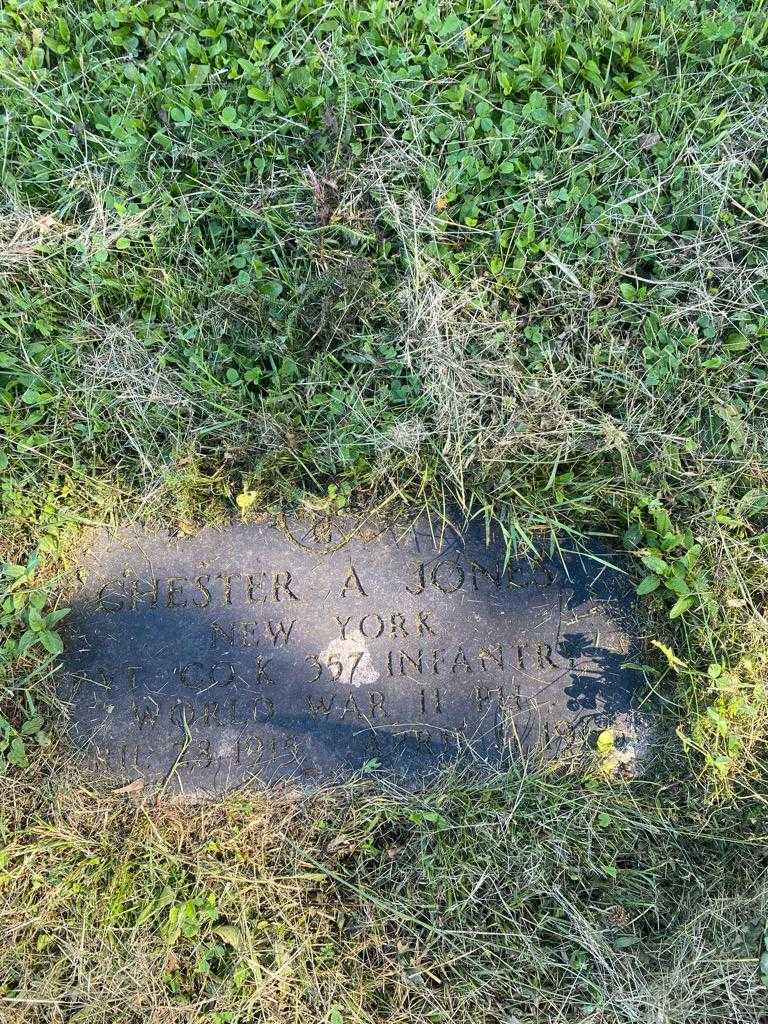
347, 254
519, 898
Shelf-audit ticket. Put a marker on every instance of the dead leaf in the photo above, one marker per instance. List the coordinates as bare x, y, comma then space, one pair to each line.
326, 197
230, 934
245, 499
132, 787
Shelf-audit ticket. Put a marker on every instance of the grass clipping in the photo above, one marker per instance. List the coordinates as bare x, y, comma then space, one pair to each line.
526, 899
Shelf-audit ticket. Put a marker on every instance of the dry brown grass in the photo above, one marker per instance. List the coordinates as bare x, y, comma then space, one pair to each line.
525, 899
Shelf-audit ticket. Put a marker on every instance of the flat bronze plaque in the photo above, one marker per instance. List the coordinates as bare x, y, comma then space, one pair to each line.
256, 654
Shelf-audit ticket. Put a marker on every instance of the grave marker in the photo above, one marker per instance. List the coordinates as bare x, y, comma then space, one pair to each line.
254, 654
